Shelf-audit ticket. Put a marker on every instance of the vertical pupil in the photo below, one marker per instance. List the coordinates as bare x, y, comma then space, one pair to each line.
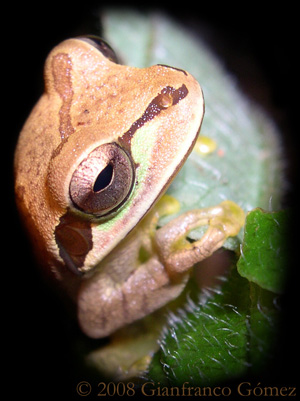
104, 178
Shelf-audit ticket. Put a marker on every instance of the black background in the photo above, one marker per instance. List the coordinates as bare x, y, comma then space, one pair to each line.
257, 43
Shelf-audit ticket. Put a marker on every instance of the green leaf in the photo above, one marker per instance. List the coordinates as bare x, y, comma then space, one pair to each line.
264, 250
233, 331
227, 334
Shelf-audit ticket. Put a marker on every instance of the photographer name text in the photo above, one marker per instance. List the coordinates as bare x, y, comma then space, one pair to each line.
151, 389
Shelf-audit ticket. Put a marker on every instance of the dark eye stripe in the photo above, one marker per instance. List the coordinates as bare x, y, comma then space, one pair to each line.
152, 110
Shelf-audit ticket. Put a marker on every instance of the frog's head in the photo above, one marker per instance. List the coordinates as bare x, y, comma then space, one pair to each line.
100, 147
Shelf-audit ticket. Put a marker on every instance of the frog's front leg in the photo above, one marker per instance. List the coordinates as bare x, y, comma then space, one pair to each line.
178, 255
126, 289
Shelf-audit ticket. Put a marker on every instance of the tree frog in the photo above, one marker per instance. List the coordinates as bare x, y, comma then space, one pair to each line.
92, 162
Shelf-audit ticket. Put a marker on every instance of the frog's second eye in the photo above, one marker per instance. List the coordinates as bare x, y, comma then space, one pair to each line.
102, 46
103, 181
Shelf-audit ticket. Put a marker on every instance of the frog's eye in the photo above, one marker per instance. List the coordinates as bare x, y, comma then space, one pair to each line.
103, 181
102, 46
